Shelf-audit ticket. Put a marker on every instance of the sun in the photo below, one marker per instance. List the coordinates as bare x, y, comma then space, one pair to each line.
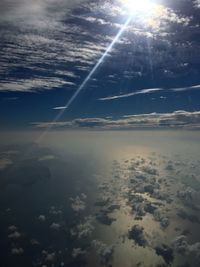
138, 7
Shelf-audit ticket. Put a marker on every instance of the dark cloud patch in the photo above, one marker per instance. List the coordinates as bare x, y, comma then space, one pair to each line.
187, 216
166, 253
136, 233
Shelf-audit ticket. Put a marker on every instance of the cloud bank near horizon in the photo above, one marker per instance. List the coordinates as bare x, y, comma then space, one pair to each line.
177, 119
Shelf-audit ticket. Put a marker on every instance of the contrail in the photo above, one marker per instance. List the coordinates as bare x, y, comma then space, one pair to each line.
73, 97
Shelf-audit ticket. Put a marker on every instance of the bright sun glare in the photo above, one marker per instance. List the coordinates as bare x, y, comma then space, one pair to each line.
139, 7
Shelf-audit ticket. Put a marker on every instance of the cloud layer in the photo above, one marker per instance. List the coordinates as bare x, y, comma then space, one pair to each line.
177, 119
54, 44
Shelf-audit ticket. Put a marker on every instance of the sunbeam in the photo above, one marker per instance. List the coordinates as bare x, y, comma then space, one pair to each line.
73, 97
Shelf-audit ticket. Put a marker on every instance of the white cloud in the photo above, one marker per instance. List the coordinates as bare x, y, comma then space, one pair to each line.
50, 257
197, 3
55, 226
17, 251
143, 91
176, 119
151, 90
105, 252
182, 89
84, 229
60, 108
78, 203
42, 218
12, 228
35, 84
78, 252
14, 235
51, 45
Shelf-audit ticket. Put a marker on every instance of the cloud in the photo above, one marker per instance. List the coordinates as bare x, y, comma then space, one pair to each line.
27, 85
84, 229
143, 91
55, 226
136, 233
182, 89
50, 257
197, 3
12, 228
5, 162
105, 252
17, 251
47, 158
42, 218
55, 211
14, 235
177, 119
182, 247
54, 44
60, 108
78, 252
78, 203
41, 43
165, 252
151, 90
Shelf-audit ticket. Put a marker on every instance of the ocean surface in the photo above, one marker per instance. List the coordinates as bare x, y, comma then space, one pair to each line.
102, 198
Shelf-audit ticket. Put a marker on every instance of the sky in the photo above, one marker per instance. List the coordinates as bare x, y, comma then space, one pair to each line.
117, 64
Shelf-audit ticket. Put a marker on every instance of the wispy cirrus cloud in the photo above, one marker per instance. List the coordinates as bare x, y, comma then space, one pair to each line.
177, 119
189, 88
151, 91
59, 108
55, 38
143, 91
31, 85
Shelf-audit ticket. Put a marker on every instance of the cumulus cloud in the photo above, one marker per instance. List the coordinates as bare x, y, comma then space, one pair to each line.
182, 247
14, 235
50, 257
55, 211
12, 228
84, 229
34, 242
78, 203
78, 252
42, 218
105, 252
136, 233
197, 3
17, 251
55, 226
177, 119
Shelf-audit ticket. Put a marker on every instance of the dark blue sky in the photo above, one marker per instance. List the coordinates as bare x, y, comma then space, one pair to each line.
48, 48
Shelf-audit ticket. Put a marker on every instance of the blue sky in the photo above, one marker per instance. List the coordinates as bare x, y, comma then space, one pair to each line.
48, 48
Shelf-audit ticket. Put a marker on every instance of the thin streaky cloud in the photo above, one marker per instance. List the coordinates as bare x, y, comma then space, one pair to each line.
151, 90
194, 87
143, 91
59, 108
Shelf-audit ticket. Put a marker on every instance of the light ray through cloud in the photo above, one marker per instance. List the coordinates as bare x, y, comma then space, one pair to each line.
73, 97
